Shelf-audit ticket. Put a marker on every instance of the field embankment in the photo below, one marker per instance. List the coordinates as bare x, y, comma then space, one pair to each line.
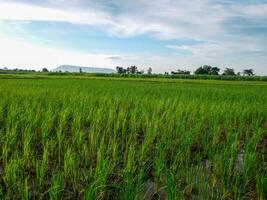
29, 75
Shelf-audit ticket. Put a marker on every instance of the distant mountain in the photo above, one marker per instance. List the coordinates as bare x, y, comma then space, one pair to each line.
70, 68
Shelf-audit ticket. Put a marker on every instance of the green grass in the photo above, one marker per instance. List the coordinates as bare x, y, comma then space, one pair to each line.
115, 138
168, 77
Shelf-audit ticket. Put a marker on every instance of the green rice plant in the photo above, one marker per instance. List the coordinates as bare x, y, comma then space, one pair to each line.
56, 187
24, 190
172, 186
261, 185
134, 138
42, 166
70, 164
1, 193
27, 137
11, 176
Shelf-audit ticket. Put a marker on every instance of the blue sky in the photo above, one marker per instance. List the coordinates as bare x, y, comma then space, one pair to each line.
163, 34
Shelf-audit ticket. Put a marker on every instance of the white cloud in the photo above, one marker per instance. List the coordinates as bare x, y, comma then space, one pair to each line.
258, 10
179, 47
18, 11
201, 20
164, 19
18, 53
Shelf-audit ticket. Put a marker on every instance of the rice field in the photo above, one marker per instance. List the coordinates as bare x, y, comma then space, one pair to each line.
132, 139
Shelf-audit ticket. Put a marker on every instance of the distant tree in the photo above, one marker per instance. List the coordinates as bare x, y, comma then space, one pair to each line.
80, 70
119, 70
207, 70
203, 70
132, 70
44, 70
184, 71
16, 70
229, 72
166, 73
238, 73
141, 72
248, 72
128, 70
179, 71
149, 70
214, 71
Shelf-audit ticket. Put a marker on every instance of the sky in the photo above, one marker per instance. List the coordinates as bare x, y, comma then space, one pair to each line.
163, 34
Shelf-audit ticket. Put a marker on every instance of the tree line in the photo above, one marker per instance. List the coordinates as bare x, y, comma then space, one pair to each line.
209, 70
132, 70
203, 70
5, 69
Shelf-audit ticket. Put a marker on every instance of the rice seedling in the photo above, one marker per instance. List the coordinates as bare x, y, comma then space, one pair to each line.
132, 139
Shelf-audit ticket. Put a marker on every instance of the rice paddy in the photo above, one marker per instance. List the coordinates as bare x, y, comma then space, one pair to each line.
132, 139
